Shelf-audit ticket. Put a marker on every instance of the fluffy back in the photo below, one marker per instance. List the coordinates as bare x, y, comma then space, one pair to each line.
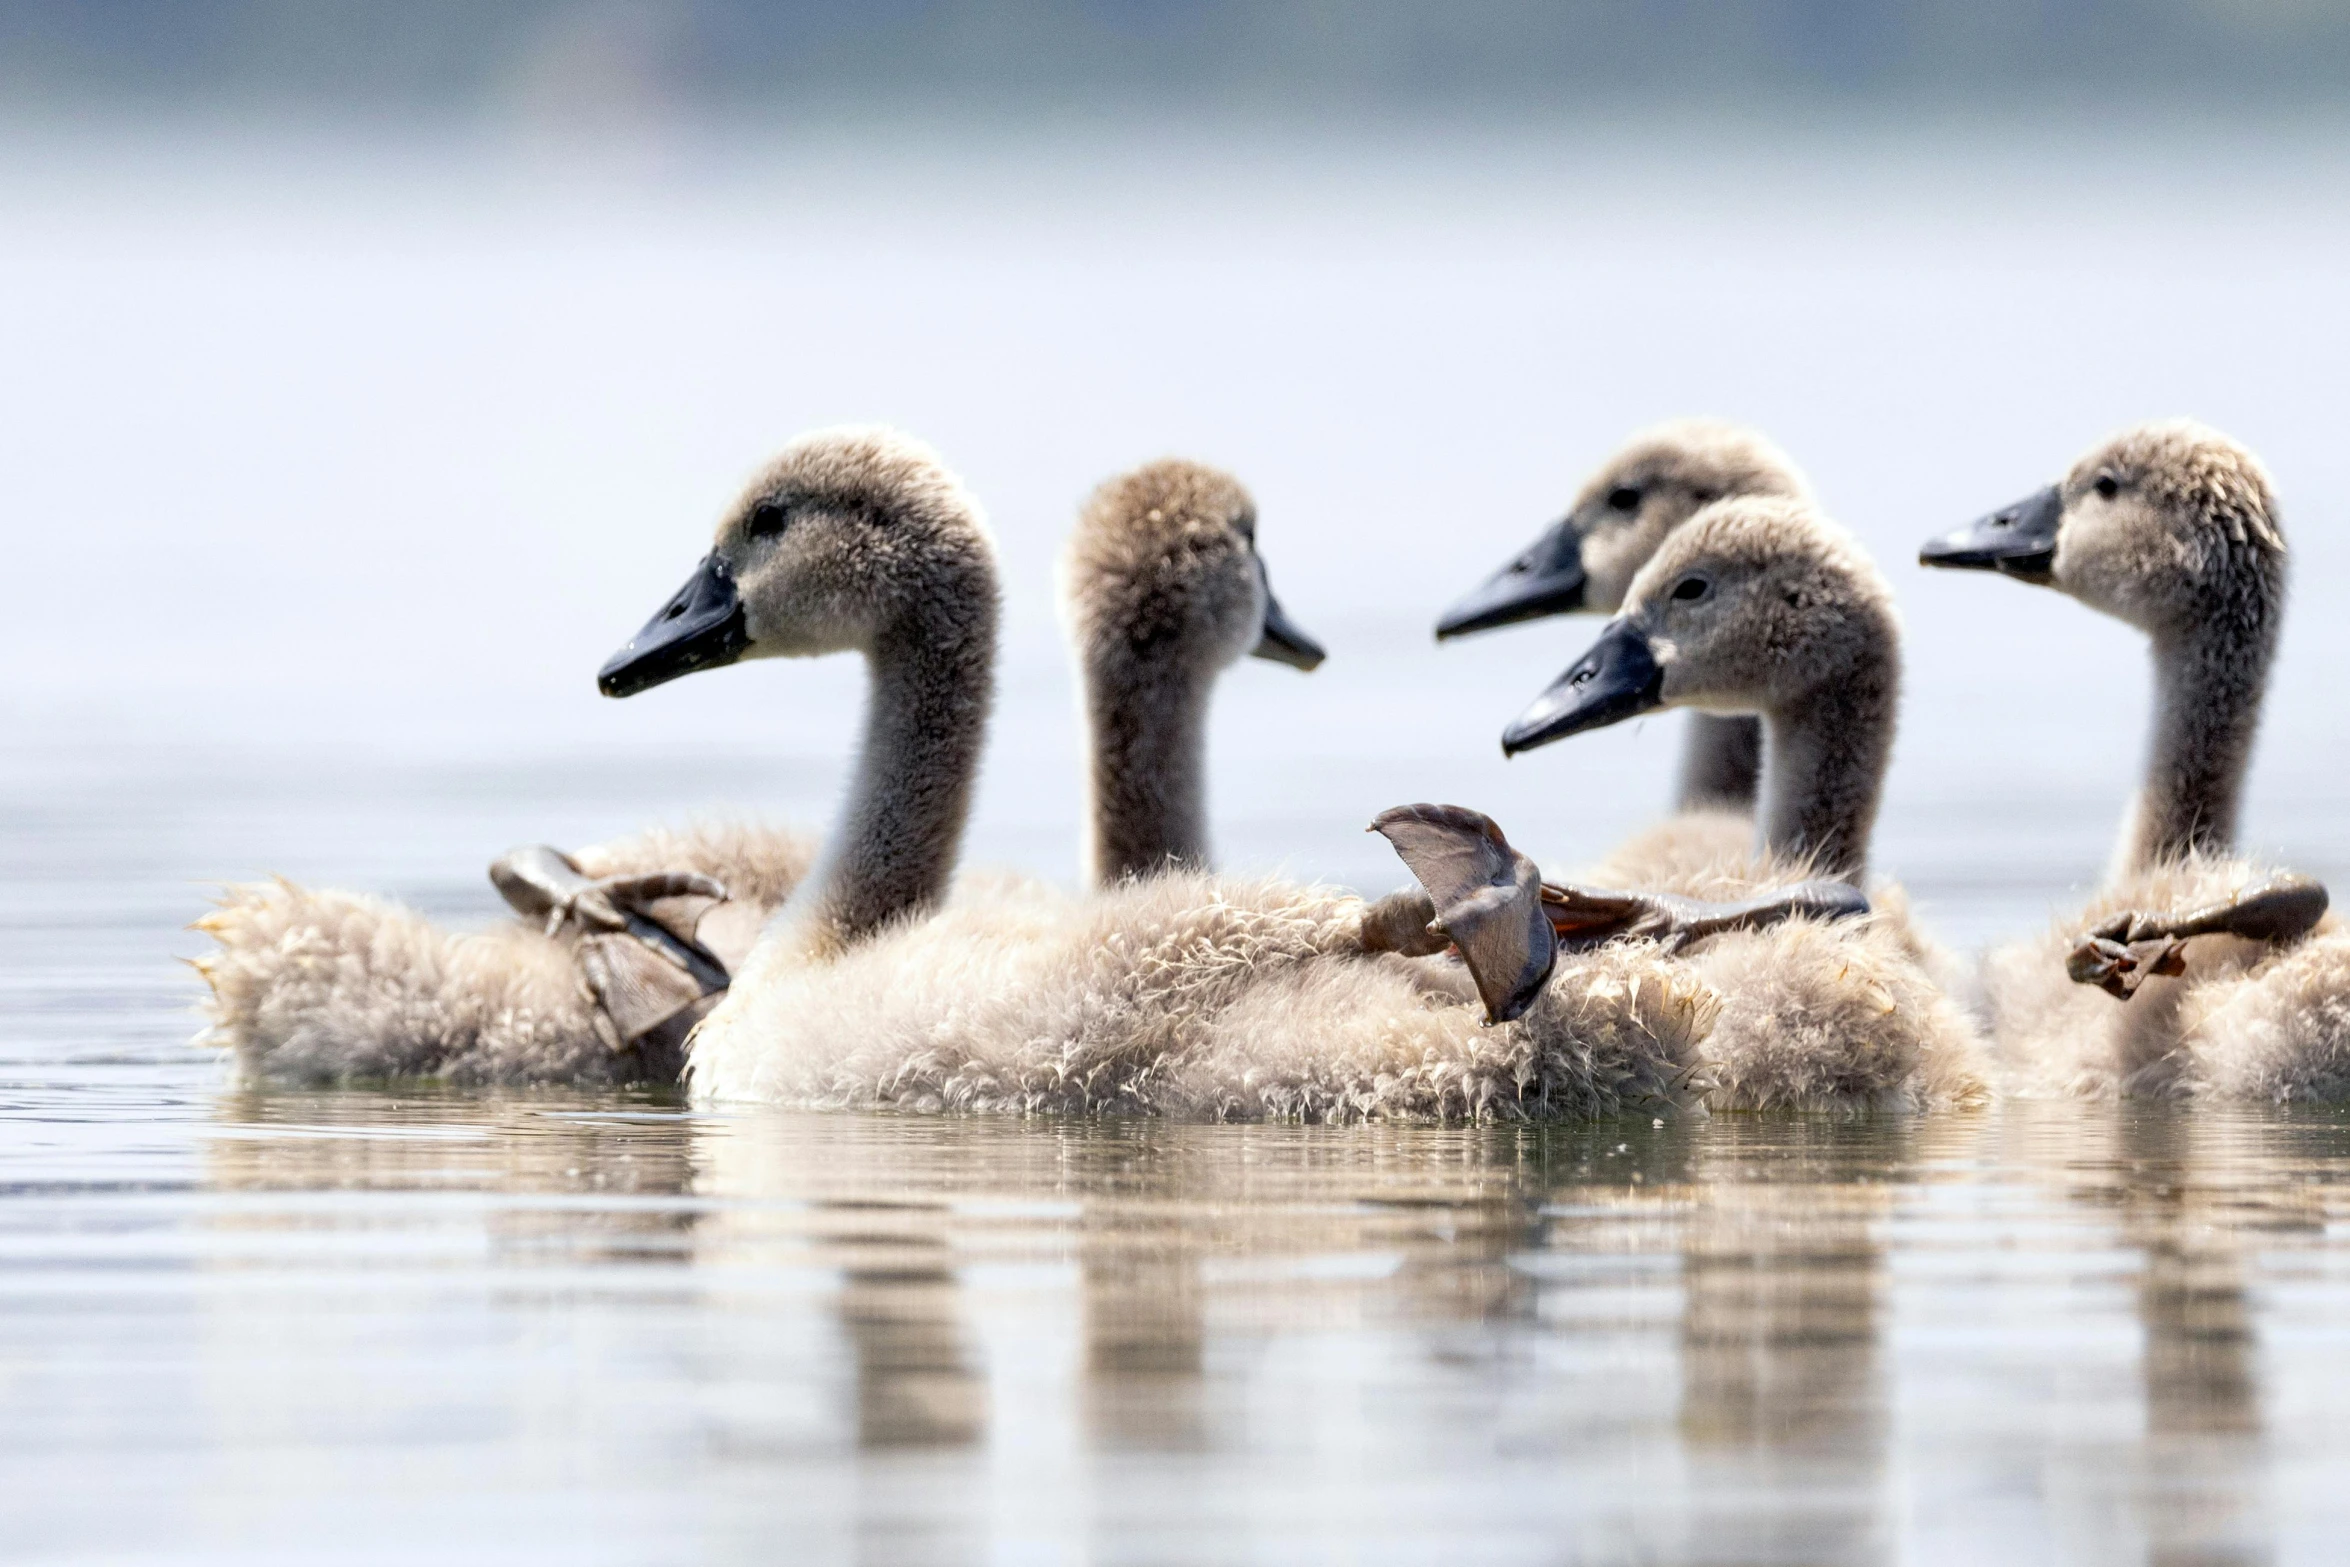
1195, 997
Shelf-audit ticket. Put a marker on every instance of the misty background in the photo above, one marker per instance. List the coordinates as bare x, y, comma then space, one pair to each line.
799, 58
368, 373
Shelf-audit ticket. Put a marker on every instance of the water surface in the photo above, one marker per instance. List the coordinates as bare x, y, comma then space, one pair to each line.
340, 1327
328, 492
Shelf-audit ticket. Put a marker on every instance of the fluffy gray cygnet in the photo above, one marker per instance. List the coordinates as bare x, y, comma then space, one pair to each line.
2173, 528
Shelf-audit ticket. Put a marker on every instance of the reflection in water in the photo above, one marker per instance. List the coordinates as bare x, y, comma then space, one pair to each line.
1143, 1315
2188, 1194
2200, 1374
915, 1383
613, 1328
1783, 1395
2202, 1487
625, 1167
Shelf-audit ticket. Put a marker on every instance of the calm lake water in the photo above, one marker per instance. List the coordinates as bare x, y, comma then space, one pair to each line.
331, 480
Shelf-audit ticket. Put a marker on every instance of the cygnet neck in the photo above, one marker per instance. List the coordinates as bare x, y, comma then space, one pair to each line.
1721, 764
1824, 768
2208, 684
1147, 723
932, 686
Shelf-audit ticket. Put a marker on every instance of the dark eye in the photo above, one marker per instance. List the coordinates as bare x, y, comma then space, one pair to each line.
1624, 498
2108, 486
1689, 588
767, 519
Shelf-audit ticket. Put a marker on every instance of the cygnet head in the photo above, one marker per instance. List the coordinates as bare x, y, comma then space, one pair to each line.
1163, 589
1758, 605
2171, 527
1164, 568
1657, 482
851, 540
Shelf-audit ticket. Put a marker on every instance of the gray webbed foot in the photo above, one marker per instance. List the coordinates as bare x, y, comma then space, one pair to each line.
1509, 924
1486, 898
638, 960
2118, 967
2120, 953
543, 882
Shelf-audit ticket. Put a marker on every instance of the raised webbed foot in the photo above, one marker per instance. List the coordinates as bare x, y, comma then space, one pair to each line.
2120, 953
1486, 899
2117, 967
640, 963
543, 882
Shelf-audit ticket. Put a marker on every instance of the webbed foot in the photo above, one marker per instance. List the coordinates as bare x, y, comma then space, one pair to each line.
1485, 896
540, 881
2120, 953
2116, 966
1490, 901
641, 969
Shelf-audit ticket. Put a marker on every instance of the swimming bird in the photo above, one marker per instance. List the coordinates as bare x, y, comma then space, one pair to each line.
1762, 605
1586, 561
1179, 993
2172, 527
1163, 589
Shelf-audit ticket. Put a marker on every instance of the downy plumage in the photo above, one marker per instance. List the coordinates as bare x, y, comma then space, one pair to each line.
1177, 994
1163, 591
2172, 528
1762, 606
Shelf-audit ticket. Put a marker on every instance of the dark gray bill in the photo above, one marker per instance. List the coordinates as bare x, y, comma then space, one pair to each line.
1618, 679
701, 627
1546, 580
2019, 540
1283, 640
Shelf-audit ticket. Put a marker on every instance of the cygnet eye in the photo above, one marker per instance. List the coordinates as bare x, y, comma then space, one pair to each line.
767, 519
1690, 589
2108, 486
1623, 498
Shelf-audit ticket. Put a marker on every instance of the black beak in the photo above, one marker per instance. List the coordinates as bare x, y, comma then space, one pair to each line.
1283, 640
1618, 679
701, 627
2019, 540
1546, 580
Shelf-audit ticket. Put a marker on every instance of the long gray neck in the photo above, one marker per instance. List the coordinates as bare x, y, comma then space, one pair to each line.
933, 682
2208, 684
1721, 764
1147, 775
1825, 769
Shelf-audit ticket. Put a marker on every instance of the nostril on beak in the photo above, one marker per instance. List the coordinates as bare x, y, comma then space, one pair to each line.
675, 610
